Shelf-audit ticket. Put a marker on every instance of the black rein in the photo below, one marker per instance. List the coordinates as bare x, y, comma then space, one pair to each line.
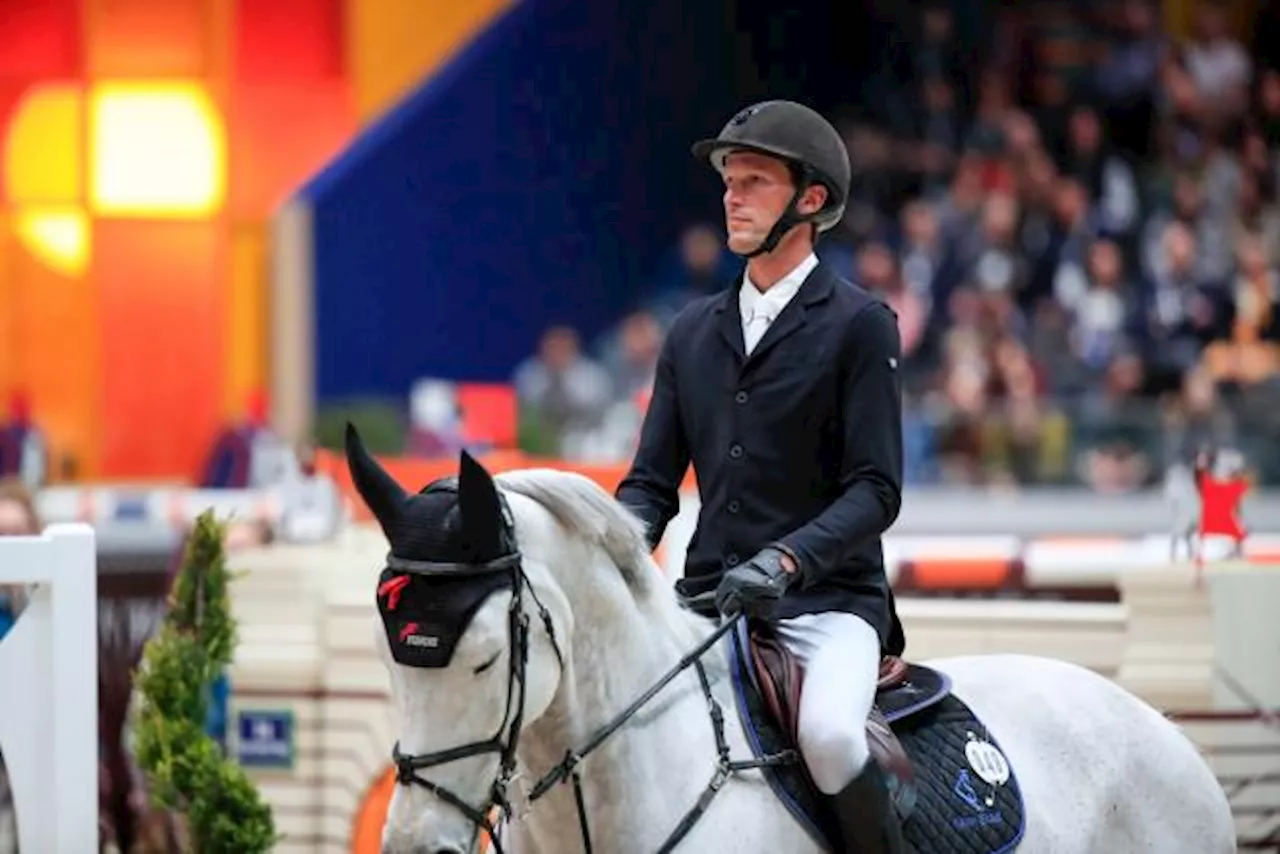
567, 769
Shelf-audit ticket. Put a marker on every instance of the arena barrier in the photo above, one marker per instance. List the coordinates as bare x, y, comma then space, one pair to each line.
49, 674
1048, 542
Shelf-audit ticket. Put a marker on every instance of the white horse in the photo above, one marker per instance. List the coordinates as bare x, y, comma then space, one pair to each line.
1101, 772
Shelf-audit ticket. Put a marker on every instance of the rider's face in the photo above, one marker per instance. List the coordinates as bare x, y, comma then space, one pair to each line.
756, 192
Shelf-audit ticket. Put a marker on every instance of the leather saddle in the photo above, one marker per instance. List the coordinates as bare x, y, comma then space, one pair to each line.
780, 678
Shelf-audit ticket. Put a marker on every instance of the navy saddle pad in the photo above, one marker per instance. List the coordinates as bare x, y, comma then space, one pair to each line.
966, 798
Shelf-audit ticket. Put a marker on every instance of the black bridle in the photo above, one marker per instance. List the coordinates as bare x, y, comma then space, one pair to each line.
505, 741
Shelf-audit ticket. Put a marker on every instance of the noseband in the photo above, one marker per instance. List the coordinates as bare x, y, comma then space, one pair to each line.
505, 741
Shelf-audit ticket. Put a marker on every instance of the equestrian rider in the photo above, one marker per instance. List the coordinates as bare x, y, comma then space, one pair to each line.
784, 394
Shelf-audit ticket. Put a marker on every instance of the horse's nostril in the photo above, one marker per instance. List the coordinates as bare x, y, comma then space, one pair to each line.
447, 851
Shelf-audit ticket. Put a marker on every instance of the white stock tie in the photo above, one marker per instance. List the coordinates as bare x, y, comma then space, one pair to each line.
755, 327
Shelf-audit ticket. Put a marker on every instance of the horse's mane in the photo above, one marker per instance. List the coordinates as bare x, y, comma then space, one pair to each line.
587, 511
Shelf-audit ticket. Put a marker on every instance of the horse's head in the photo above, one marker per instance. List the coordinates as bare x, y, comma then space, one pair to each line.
467, 673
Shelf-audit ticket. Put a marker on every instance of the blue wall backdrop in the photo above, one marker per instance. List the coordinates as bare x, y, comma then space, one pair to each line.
534, 181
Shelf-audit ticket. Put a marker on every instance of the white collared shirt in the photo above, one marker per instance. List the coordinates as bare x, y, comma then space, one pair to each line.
759, 310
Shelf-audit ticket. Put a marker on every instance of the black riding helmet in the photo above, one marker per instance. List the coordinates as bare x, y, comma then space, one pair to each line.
805, 141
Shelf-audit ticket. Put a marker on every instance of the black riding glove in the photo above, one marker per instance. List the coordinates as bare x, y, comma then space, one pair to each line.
755, 586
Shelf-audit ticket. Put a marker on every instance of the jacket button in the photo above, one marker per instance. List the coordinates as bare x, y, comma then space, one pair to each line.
731, 559
734, 506
735, 451
741, 397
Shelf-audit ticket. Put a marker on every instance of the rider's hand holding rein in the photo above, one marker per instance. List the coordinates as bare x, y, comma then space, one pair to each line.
753, 587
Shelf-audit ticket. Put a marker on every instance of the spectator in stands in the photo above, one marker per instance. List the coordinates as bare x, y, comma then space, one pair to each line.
312, 503
986, 133
632, 364
1180, 109
1026, 440
1211, 256
1197, 418
1101, 316
938, 132
1113, 429
1073, 232
930, 273
875, 184
435, 420
1106, 176
1022, 138
878, 272
18, 518
963, 400
1249, 354
700, 267
1127, 79
935, 52
1256, 214
1218, 64
1061, 50
247, 454
960, 211
997, 264
1268, 109
927, 267
23, 451
1038, 230
1053, 346
1179, 311
562, 391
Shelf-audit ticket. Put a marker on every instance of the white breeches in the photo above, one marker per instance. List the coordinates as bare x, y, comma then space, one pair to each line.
841, 657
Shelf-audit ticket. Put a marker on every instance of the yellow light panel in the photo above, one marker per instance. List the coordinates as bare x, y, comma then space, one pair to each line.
159, 150
58, 237
42, 156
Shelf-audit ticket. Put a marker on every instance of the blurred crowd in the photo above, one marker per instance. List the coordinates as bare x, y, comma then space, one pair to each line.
1077, 224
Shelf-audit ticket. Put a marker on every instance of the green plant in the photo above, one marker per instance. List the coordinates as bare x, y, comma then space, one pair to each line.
184, 767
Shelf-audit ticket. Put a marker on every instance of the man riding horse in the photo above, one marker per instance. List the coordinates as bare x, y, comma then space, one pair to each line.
784, 394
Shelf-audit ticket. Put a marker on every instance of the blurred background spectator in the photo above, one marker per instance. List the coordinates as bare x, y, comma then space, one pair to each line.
22, 447
18, 518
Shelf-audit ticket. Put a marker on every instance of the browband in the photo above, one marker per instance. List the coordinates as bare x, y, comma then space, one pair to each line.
431, 567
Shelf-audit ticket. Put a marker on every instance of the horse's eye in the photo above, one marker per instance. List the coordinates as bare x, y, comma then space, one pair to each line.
482, 668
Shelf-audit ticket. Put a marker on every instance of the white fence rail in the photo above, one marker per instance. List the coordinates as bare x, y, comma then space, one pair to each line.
49, 690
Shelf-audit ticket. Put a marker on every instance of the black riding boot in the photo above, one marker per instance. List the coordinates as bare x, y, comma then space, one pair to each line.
868, 821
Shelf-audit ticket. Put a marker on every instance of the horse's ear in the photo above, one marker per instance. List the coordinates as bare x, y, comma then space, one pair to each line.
478, 504
384, 497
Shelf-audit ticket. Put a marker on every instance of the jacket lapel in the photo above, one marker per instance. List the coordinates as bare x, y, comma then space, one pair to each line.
816, 288
731, 323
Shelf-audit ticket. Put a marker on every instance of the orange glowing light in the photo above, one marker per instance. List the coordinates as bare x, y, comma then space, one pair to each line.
59, 237
159, 150
42, 157
43, 175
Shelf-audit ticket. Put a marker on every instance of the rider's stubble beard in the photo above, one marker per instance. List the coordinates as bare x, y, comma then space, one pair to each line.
742, 237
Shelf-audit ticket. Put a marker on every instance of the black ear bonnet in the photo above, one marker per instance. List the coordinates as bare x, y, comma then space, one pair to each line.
453, 544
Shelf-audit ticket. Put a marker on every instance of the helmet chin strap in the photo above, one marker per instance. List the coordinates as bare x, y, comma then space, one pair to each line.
790, 217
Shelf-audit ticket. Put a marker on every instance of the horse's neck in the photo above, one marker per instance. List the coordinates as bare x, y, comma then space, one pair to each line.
643, 778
